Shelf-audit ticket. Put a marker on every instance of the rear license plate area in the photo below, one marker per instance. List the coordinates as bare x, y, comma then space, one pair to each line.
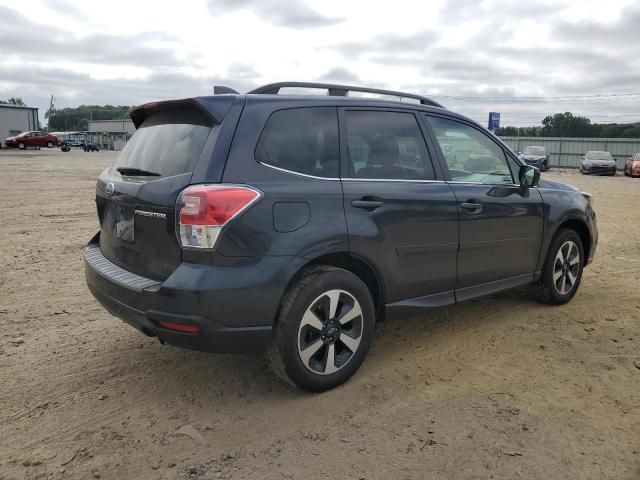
120, 222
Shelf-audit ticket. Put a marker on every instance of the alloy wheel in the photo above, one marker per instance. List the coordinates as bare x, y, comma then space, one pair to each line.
566, 268
330, 332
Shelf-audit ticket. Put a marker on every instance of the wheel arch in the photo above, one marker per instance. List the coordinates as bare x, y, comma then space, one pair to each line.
354, 264
580, 227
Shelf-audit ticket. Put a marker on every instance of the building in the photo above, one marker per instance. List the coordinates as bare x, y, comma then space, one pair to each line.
110, 134
15, 120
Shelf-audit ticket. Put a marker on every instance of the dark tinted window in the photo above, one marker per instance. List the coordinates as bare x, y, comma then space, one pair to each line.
168, 142
386, 145
470, 154
303, 140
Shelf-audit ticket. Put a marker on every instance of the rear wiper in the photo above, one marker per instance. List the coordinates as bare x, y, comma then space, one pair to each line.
137, 172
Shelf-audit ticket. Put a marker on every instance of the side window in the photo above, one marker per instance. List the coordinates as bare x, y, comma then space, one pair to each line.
386, 145
470, 154
302, 140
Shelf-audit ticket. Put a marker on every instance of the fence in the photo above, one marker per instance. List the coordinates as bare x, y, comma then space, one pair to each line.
568, 152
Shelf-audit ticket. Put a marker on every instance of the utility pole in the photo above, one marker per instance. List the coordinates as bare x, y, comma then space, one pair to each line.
51, 113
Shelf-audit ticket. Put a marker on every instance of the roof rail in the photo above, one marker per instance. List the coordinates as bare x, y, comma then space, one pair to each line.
340, 91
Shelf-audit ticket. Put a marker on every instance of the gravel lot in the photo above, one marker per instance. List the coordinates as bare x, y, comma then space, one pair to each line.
499, 388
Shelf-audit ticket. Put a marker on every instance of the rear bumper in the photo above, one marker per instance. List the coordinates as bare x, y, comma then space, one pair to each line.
233, 309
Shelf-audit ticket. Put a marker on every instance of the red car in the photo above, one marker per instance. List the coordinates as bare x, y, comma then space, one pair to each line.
31, 139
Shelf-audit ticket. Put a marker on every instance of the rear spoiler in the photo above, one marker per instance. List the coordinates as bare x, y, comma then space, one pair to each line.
213, 107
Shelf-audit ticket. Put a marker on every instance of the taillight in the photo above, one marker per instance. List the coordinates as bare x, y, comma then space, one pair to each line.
203, 210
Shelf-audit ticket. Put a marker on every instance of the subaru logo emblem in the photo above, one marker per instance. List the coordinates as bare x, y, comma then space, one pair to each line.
109, 189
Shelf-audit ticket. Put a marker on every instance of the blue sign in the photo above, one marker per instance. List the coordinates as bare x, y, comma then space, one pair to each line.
494, 121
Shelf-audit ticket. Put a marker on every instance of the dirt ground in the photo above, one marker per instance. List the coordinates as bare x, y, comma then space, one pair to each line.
500, 388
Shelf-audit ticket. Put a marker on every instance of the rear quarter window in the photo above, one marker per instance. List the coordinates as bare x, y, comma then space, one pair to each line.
301, 140
168, 142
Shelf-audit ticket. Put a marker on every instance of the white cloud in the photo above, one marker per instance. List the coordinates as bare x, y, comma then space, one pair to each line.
124, 52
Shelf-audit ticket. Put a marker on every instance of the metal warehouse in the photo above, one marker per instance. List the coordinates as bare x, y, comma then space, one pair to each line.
15, 120
111, 134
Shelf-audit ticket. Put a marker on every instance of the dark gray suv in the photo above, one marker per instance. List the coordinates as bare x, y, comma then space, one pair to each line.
293, 223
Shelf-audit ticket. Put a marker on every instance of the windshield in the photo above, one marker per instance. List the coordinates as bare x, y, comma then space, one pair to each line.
599, 156
534, 151
167, 143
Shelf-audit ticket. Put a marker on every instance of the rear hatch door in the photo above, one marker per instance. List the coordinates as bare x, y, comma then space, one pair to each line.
136, 196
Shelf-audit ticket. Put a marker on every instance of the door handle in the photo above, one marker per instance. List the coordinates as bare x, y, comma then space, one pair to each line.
367, 204
471, 206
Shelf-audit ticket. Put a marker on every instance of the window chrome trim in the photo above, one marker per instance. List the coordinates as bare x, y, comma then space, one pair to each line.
298, 173
351, 179
487, 184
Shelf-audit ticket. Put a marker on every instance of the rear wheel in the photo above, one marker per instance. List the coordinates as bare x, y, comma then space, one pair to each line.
562, 270
324, 329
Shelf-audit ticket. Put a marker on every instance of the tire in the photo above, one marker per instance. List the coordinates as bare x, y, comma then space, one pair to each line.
21, 146
49, 144
306, 336
559, 268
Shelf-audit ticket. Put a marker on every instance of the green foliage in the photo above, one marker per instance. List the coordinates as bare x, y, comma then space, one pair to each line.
519, 131
631, 132
77, 119
567, 125
13, 101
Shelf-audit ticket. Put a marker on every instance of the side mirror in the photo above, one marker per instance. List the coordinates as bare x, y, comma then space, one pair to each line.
529, 176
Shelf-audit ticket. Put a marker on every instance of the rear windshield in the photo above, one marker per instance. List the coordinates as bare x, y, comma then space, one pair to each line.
599, 156
534, 151
168, 142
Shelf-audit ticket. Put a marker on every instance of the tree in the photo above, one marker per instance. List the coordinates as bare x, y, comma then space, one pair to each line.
507, 132
612, 130
631, 132
14, 101
566, 125
77, 119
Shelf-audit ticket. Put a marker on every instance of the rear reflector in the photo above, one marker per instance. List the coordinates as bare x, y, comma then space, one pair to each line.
203, 210
179, 327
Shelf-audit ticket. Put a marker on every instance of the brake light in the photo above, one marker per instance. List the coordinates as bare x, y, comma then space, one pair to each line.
203, 210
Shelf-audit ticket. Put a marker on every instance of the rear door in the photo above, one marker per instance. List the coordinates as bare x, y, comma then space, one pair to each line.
501, 224
401, 216
136, 196
42, 139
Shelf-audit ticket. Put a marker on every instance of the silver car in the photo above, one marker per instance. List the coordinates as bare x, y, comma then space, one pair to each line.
598, 163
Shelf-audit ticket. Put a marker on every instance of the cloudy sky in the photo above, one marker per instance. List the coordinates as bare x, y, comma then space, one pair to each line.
525, 59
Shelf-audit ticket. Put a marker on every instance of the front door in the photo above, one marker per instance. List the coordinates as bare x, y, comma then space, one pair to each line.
401, 216
500, 223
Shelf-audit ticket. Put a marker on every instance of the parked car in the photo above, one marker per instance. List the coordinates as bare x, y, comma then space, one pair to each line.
536, 156
90, 147
31, 139
632, 165
237, 222
598, 163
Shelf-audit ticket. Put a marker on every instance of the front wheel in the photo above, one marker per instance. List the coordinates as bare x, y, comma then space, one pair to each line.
324, 329
21, 146
562, 270
49, 144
